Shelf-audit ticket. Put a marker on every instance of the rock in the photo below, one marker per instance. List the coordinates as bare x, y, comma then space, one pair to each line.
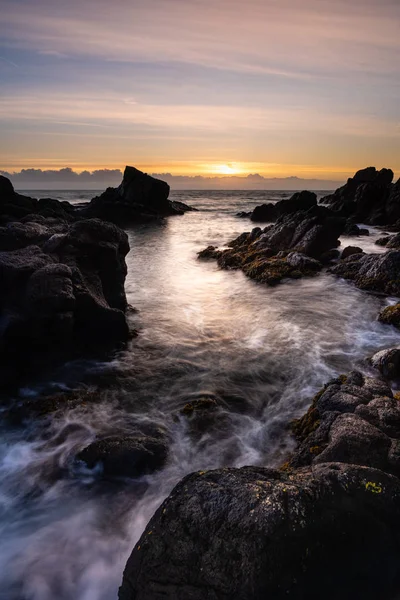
349, 250
368, 197
352, 229
303, 262
264, 213
243, 214
394, 242
254, 533
383, 240
209, 252
328, 520
391, 315
387, 362
126, 456
64, 297
375, 272
288, 249
270, 212
139, 198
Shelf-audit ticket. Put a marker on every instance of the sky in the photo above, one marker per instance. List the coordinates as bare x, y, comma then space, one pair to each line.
306, 88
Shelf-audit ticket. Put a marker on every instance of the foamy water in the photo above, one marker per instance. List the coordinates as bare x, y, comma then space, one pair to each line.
262, 352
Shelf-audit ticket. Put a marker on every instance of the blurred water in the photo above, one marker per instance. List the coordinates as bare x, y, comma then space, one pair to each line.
261, 352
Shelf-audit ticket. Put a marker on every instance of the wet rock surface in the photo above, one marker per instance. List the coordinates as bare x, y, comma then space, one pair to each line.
126, 456
291, 248
375, 272
329, 519
139, 198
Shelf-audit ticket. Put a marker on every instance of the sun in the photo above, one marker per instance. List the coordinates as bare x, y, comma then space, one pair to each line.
226, 170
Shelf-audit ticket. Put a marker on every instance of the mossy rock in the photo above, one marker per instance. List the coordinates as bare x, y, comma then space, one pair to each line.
46, 405
391, 315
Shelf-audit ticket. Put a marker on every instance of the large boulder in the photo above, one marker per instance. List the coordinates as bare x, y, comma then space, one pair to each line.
270, 212
367, 197
62, 295
254, 533
375, 272
140, 197
326, 525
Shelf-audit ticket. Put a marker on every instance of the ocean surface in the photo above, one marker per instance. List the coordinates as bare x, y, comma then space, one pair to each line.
263, 352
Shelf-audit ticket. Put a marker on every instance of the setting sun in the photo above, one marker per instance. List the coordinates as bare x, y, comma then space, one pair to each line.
226, 170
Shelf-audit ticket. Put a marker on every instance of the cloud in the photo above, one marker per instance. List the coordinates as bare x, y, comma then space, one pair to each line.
67, 178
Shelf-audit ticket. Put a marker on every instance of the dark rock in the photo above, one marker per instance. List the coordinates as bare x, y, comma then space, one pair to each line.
254, 533
243, 214
391, 315
329, 520
383, 240
375, 272
352, 229
209, 252
139, 198
126, 456
368, 197
264, 213
288, 249
349, 250
270, 212
394, 242
387, 362
303, 262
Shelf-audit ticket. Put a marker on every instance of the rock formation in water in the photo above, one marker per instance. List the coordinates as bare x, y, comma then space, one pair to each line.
368, 197
268, 213
297, 244
62, 283
374, 272
326, 525
139, 198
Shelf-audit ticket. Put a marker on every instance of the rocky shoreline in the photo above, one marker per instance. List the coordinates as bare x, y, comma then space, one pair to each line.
327, 523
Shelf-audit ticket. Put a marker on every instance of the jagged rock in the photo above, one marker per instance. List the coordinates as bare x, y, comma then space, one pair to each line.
391, 315
368, 197
288, 249
375, 272
270, 212
126, 456
349, 250
140, 197
387, 362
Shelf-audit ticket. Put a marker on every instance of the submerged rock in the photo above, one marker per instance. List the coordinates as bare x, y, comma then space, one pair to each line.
326, 524
139, 198
126, 456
